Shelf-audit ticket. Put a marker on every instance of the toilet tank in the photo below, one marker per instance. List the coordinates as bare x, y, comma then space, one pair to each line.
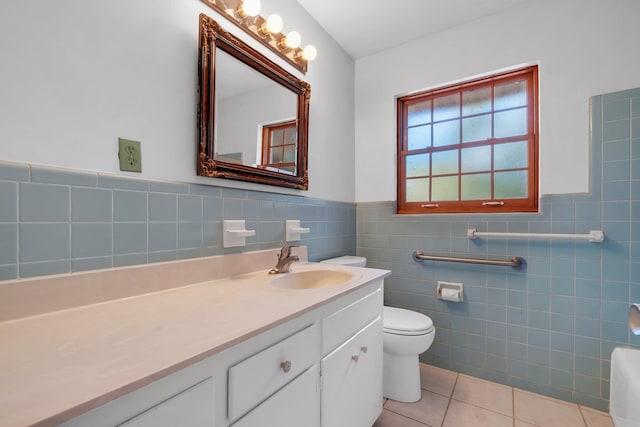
353, 261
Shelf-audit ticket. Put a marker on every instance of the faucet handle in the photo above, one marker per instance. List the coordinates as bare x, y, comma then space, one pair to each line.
286, 251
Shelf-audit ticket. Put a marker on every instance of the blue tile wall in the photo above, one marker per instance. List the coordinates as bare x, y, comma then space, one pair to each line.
58, 221
551, 327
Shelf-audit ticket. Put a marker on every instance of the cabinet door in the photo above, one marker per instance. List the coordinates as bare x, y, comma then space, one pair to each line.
296, 405
193, 407
351, 387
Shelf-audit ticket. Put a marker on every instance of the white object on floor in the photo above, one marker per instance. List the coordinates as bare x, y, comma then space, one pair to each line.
625, 387
406, 335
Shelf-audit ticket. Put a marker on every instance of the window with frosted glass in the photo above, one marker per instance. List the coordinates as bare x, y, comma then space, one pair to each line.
279, 146
471, 147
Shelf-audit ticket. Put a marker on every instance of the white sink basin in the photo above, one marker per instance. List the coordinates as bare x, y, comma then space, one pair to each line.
625, 387
311, 279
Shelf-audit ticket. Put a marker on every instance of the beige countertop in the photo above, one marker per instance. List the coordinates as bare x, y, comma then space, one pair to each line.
96, 353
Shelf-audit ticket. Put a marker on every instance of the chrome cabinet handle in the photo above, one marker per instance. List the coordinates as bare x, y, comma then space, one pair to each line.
364, 349
286, 366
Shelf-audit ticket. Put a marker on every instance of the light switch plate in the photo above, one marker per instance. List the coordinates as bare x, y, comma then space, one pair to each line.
130, 155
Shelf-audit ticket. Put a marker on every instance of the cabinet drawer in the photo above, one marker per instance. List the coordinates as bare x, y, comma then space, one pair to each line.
256, 378
351, 393
193, 407
297, 404
341, 325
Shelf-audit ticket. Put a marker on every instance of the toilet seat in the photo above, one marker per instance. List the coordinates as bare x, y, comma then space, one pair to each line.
398, 321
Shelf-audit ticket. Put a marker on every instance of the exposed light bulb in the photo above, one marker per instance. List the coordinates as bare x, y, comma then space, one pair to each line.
293, 39
309, 52
274, 23
249, 8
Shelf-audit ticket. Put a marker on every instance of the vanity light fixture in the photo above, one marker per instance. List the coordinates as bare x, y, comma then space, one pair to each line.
245, 14
309, 52
292, 40
249, 8
273, 25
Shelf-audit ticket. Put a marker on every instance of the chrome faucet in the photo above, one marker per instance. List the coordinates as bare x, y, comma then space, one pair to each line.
285, 259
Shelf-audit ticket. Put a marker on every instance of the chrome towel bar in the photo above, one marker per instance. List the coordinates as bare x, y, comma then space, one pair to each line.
516, 262
594, 236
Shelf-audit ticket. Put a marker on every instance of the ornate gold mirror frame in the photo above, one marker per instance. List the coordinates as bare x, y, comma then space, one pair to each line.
213, 37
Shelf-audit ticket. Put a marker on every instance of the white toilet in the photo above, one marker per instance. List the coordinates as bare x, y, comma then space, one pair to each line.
406, 334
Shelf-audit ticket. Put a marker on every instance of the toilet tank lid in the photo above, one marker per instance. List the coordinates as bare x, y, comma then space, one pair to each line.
355, 261
400, 319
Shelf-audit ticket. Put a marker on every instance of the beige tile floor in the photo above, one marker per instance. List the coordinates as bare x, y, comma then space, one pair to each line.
450, 399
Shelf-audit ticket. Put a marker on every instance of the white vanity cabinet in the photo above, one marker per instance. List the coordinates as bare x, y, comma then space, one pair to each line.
351, 384
320, 368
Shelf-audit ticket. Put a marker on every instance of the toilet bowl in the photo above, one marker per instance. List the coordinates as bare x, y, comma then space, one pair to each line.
406, 334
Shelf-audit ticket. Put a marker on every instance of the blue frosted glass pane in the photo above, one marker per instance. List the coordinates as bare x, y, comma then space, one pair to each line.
290, 135
511, 155
419, 113
419, 137
476, 101
289, 154
510, 185
446, 133
417, 190
476, 128
476, 187
277, 136
476, 159
510, 123
447, 107
509, 95
445, 162
417, 165
444, 188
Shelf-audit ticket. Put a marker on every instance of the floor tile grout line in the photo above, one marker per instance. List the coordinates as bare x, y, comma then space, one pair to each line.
584, 420
482, 407
513, 407
408, 417
446, 411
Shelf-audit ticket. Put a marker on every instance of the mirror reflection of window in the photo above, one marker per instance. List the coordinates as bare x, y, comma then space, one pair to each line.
279, 146
244, 100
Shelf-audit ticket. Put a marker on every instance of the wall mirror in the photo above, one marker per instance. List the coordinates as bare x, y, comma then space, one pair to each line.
253, 115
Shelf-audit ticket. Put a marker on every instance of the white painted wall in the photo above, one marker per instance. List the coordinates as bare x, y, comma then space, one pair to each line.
75, 75
583, 47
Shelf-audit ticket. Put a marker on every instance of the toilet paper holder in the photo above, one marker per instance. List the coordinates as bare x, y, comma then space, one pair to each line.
450, 291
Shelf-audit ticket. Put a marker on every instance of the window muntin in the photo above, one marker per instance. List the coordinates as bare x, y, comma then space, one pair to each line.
470, 147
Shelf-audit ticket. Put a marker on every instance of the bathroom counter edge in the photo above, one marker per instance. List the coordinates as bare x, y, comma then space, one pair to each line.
125, 342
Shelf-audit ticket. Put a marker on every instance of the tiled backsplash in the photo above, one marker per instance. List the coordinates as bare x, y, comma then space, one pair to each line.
59, 221
551, 327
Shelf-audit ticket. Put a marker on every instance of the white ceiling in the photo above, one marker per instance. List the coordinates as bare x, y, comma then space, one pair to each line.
364, 27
